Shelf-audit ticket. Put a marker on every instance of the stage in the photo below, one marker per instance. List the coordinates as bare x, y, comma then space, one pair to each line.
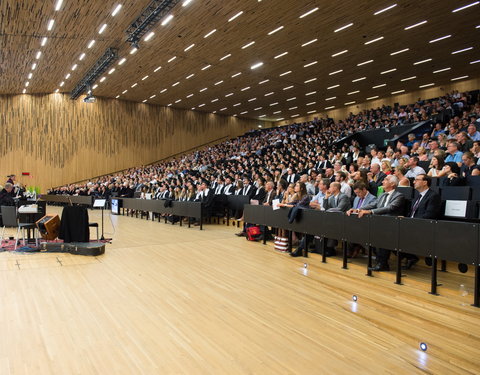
166, 299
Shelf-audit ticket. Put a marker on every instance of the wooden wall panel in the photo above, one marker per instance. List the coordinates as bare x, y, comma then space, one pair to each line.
59, 140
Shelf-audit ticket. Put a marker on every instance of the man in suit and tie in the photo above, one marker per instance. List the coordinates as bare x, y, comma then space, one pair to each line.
426, 205
269, 193
390, 203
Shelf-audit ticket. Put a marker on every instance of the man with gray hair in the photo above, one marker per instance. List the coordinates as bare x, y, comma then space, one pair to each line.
390, 203
6, 195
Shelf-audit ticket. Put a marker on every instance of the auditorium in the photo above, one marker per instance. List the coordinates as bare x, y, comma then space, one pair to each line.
240, 187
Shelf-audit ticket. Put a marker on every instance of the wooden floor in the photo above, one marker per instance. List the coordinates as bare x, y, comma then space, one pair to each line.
172, 300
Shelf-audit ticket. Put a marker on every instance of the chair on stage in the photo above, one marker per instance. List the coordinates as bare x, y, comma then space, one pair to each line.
9, 217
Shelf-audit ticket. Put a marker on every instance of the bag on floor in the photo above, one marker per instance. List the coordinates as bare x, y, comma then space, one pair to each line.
254, 233
281, 243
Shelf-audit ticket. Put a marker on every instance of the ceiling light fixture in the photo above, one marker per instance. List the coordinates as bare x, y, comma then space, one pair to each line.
282, 54
340, 53
269, 93
465, 7
264, 81
284, 74
335, 72
378, 86
102, 29
415, 25
397, 92
116, 10
309, 42
422, 61
308, 13
230, 94
401, 51
236, 74
274, 31
189, 47
457, 78
58, 5
373, 97
124, 91
288, 87
310, 93
218, 83
374, 40
144, 78
427, 85
235, 16
171, 59
248, 45
365, 62
384, 9
333, 87
245, 88
186, 2
204, 89
210, 33
388, 71
135, 84
462, 50
225, 57
257, 65
331, 107
149, 36
441, 70
44, 41
331, 98
310, 80
91, 43
348, 103
111, 71
206, 67
190, 76
441, 38
343, 28
310, 64
102, 79
157, 69
353, 92
408, 78
359, 79
122, 61
50, 25
167, 19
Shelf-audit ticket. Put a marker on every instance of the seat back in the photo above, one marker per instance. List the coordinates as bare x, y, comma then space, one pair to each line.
9, 216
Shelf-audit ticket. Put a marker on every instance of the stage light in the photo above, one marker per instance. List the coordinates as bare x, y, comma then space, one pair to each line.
354, 298
423, 347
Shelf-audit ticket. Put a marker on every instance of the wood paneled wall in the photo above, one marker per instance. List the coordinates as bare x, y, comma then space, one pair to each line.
60, 141
408, 98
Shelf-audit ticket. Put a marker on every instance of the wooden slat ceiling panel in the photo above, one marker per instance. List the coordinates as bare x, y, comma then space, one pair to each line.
23, 24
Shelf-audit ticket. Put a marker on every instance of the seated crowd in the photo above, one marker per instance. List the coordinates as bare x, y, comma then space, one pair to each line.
310, 165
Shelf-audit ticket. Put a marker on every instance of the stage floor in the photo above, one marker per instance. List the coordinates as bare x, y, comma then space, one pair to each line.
175, 300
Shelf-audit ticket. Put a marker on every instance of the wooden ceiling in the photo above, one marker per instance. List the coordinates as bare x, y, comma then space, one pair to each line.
23, 24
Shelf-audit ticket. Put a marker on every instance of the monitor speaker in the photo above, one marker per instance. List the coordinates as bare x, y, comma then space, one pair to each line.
49, 227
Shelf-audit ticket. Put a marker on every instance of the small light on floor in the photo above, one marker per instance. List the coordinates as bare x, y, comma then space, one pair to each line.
423, 346
354, 298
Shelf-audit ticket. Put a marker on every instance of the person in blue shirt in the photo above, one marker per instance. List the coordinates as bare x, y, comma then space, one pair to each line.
453, 153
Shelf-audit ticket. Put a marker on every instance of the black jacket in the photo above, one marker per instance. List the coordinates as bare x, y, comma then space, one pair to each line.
429, 207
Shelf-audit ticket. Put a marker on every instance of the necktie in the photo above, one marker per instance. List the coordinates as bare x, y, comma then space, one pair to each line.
415, 206
360, 202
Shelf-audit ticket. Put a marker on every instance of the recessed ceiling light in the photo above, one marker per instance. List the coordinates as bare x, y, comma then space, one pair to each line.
172, 58
190, 76
332, 87
401, 51
280, 119
310, 80
169, 105
178, 101
426, 85
415, 25
133, 50
144, 101
124, 91
331, 98
378, 86
210, 33
91, 43
348, 103
189, 47
206, 67
135, 84
245, 88
38, 55
44, 41
422, 61
67, 76
309, 112
27, 83
214, 100
122, 61
34, 66
252, 100
308, 13
237, 104
474, 62
204, 89
374, 40
153, 96
116, 10
282, 54
264, 81
343, 28
24, 91
157, 69
273, 104
277, 112
438, 39
257, 65
50, 25
201, 105
103, 79
225, 57
149, 36
229, 94
58, 5
274, 31
82, 56
340, 53
331, 107
74, 66
441, 70
292, 108
309, 42
189, 96
167, 19
457, 78
235, 16
290, 99
94, 87
462, 50
397, 92
218, 83
385, 9
365, 62
244, 112
236, 74
408, 78
311, 103
292, 116
111, 71
335, 72
353, 92
466, 6
359, 79
144, 78
269, 93
248, 45
57, 90
175, 84
310, 64
30, 75
373, 97
223, 109
288, 87
117, 96
285, 73
102, 29
388, 71
310, 93
161, 92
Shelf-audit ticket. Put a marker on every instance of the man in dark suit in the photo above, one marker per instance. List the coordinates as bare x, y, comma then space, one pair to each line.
390, 203
248, 189
426, 205
6, 196
291, 176
335, 200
